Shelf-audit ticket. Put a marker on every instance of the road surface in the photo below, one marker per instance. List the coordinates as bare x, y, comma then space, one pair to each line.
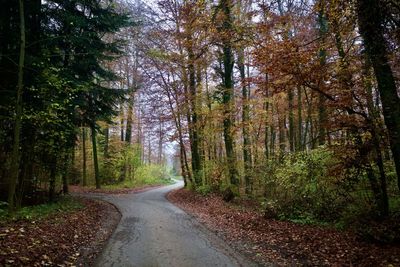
155, 233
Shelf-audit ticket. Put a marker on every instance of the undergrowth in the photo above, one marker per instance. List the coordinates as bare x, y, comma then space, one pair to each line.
30, 213
144, 175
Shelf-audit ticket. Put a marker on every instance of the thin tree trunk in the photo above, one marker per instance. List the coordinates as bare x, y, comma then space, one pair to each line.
128, 135
282, 136
291, 120
311, 136
52, 181
129, 120
299, 120
122, 124
106, 141
65, 173
15, 156
95, 159
26, 163
322, 114
71, 172
84, 168
160, 142
183, 167
211, 134
273, 134
267, 126
149, 150
245, 122
199, 122
185, 88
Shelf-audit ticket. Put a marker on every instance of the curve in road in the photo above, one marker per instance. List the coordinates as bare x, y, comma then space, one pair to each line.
155, 233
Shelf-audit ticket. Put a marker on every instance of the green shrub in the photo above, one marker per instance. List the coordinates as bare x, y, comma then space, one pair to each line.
64, 204
302, 189
204, 190
215, 174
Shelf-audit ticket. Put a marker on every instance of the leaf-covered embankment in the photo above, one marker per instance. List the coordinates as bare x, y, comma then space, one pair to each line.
279, 242
72, 238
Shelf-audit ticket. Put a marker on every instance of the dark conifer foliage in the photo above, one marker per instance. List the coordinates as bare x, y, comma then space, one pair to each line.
67, 46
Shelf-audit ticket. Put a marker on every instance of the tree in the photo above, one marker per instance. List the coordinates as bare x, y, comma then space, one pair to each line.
61, 63
247, 157
226, 30
15, 161
370, 20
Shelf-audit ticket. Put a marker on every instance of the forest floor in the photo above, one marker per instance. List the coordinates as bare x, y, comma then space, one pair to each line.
285, 243
72, 238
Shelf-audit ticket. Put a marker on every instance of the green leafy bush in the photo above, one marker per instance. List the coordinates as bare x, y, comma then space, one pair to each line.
204, 190
302, 189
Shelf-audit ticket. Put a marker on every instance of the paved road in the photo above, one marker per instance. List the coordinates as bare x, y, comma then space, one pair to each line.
154, 233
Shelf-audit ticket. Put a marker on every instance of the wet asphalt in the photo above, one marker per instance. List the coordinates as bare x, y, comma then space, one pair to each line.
154, 233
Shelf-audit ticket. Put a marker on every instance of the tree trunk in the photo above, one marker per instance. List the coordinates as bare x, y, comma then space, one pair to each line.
384, 209
106, 141
246, 123
266, 125
322, 114
129, 119
299, 146
84, 168
15, 156
195, 144
282, 136
228, 92
65, 173
177, 118
160, 142
291, 120
128, 137
95, 159
212, 145
310, 123
27, 160
183, 166
199, 122
383, 200
370, 21
52, 181
122, 124
272, 134
149, 150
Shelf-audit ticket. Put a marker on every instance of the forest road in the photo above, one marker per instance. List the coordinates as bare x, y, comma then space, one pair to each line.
153, 233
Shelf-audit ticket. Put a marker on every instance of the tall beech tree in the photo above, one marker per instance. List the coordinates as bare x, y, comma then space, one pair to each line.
370, 20
226, 30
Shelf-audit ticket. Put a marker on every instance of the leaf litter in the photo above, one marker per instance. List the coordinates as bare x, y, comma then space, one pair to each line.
71, 238
282, 243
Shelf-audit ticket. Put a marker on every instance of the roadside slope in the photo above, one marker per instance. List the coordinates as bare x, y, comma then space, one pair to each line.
280, 242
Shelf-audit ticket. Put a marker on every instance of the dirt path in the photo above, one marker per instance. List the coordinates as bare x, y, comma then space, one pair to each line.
153, 232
